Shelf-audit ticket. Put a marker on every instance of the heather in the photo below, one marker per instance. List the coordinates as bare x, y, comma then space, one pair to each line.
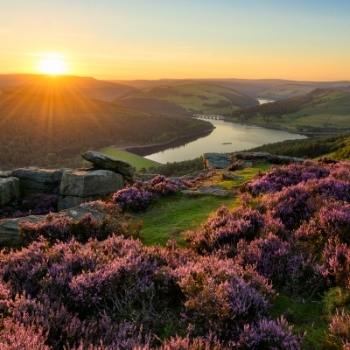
78, 285
141, 194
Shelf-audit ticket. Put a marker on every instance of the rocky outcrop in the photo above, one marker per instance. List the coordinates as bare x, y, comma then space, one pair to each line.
217, 160
10, 228
38, 180
239, 160
9, 190
266, 157
102, 161
78, 186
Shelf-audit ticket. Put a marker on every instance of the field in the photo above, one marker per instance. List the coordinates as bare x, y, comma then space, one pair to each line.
171, 217
138, 162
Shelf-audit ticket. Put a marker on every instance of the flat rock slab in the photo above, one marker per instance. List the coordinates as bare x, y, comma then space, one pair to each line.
102, 161
207, 191
5, 173
217, 160
38, 180
84, 183
9, 190
9, 229
227, 175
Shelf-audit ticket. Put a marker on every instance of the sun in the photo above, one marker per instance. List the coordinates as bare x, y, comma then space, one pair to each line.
53, 64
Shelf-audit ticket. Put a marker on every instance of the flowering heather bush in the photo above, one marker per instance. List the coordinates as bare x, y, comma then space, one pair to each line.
63, 228
162, 186
333, 220
83, 292
286, 176
221, 297
268, 334
225, 228
15, 336
188, 343
133, 198
339, 329
292, 206
139, 196
278, 261
336, 262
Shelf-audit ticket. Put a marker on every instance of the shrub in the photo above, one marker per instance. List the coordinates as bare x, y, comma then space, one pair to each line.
339, 329
139, 196
225, 228
269, 334
292, 206
332, 221
278, 261
14, 335
279, 178
59, 227
220, 297
133, 198
336, 262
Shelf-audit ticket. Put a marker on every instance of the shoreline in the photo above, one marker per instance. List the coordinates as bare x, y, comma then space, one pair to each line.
291, 131
144, 150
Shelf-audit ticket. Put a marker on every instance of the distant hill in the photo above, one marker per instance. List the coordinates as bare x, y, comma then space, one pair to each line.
196, 97
90, 87
274, 89
153, 105
320, 111
51, 123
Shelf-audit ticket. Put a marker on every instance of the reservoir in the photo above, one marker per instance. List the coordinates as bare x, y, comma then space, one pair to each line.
226, 137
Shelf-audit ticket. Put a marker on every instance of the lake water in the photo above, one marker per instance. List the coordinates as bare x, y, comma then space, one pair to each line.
226, 137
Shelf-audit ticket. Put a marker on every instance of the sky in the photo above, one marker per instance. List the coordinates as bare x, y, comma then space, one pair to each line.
152, 39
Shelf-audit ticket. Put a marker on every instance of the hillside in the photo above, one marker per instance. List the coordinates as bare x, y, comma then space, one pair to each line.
51, 124
320, 111
336, 147
271, 89
89, 87
197, 97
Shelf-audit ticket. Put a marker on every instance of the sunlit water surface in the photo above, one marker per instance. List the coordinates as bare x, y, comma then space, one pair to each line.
226, 137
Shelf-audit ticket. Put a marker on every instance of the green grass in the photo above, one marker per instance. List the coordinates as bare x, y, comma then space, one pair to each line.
307, 316
170, 217
133, 159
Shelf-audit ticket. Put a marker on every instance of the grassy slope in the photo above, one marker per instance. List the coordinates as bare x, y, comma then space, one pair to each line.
199, 97
337, 147
136, 161
326, 110
170, 217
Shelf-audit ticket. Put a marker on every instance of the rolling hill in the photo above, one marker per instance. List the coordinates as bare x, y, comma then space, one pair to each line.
51, 123
322, 111
195, 97
271, 89
89, 87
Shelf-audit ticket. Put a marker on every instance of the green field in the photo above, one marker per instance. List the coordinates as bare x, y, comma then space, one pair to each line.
170, 217
136, 161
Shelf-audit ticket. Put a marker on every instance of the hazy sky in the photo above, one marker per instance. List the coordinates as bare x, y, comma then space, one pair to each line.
298, 39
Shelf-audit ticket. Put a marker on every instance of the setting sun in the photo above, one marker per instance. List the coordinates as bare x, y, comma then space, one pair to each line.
53, 64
